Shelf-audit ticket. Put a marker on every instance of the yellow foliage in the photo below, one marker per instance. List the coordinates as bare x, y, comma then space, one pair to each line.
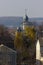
22, 42
18, 42
30, 33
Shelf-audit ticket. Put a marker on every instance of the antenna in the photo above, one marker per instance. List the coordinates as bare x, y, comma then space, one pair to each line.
25, 11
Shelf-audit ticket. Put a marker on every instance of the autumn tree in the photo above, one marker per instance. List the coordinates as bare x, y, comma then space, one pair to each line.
22, 42
5, 37
18, 42
30, 33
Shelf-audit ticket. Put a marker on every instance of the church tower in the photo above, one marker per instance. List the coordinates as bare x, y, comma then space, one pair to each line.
25, 20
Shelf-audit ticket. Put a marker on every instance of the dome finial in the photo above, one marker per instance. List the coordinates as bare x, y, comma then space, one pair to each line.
26, 17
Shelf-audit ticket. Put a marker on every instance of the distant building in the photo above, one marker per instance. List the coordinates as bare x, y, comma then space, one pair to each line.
7, 56
19, 29
26, 22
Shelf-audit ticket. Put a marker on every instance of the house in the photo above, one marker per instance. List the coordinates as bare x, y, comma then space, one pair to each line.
7, 55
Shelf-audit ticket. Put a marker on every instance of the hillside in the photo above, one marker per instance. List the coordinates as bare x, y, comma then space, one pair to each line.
16, 21
11, 21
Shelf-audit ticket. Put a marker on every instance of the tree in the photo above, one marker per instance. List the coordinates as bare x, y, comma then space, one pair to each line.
30, 33
23, 42
5, 37
18, 42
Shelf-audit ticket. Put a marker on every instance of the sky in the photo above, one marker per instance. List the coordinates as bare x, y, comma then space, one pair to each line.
17, 8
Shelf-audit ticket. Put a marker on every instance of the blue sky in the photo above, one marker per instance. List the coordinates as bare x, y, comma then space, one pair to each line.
17, 8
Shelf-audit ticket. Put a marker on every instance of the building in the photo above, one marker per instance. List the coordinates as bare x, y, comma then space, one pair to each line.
39, 52
7, 55
26, 22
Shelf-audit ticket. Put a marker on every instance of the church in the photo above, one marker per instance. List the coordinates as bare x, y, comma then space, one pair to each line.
26, 22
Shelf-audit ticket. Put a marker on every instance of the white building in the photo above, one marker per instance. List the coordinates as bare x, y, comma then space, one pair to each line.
39, 52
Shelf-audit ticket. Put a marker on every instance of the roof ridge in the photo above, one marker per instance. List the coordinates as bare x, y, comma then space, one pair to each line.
7, 47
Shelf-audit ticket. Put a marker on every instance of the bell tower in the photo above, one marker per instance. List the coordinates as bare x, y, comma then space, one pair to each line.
25, 19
